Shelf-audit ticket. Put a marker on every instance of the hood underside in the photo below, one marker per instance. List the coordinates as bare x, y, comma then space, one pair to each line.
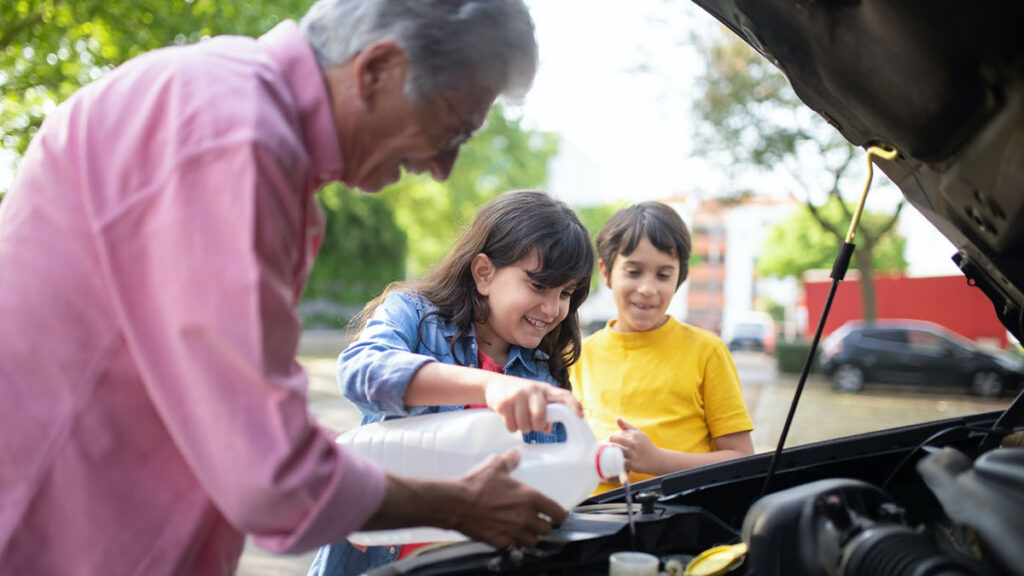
940, 81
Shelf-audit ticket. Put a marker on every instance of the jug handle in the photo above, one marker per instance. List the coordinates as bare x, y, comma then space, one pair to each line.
576, 428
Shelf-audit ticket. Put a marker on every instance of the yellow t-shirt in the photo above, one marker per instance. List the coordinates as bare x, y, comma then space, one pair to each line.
677, 383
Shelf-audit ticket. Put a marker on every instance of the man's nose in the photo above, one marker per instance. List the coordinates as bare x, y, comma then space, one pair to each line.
442, 164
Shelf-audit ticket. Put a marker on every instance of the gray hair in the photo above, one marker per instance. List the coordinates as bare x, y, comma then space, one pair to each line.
450, 44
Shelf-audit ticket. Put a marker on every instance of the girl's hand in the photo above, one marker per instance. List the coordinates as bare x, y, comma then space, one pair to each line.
523, 403
641, 454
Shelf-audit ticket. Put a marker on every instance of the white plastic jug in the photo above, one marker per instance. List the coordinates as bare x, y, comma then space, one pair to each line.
446, 445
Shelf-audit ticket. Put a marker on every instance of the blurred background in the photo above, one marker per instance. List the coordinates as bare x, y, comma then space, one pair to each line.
651, 102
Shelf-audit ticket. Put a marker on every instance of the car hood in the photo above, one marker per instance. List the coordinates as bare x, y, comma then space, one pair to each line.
943, 83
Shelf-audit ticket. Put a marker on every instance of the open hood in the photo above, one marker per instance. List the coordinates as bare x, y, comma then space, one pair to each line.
940, 81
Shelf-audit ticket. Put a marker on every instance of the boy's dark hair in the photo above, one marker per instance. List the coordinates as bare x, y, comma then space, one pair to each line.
507, 229
657, 222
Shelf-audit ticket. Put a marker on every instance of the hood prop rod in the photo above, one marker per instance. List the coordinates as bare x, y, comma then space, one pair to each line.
839, 268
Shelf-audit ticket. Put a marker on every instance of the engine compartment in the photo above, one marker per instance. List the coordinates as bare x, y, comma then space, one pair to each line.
929, 499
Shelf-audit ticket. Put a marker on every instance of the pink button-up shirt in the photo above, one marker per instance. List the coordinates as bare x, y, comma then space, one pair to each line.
152, 252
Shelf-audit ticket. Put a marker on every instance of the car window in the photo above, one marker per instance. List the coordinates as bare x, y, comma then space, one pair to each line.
749, 330
922, 341
899, 336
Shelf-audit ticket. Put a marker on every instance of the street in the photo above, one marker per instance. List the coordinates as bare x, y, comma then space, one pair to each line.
822, 414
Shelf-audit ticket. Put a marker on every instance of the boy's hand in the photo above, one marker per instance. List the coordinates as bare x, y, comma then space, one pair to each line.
523, 403
641, 454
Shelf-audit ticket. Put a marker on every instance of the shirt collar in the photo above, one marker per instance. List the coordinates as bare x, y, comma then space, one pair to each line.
526, 358
295, 59
516, 354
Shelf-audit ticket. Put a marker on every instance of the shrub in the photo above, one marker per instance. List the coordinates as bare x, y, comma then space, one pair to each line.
791, 355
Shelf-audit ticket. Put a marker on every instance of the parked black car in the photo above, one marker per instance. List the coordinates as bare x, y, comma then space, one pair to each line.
942, 83
915, 352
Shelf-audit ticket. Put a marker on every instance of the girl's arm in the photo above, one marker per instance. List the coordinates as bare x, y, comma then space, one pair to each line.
522, 403
375, 369
644, 457
382, 375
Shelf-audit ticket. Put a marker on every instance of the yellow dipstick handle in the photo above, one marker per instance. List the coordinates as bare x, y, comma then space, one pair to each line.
872, 151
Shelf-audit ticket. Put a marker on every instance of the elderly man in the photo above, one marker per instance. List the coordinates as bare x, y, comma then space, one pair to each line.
152, 253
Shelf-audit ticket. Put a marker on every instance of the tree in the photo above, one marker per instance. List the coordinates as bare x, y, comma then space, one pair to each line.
749, 118
50, 48
502, 156
594, 218
799, 243
363, 248
367, 242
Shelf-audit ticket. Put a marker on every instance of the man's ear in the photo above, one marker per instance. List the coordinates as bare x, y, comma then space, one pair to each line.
380, 69
483, 271
605, 273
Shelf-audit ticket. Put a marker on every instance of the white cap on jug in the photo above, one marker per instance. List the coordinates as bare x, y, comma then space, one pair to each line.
611, 463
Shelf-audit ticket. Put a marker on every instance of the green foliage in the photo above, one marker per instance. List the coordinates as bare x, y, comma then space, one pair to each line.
593, 218
791, 355
49, 48
799, 243
750, 120
500, 157
748, 111
363, 248
774, 309
367, 243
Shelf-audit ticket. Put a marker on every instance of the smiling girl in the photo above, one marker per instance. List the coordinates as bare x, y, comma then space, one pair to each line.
666, 392
504, 300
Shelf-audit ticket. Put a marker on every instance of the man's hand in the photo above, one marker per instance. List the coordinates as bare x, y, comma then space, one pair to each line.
641, 454
502, 511
486, 504
523, 404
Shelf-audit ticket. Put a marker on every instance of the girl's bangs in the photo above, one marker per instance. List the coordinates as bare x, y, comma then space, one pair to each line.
565, 257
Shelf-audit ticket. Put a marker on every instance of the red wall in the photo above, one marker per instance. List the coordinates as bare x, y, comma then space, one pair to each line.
945, 300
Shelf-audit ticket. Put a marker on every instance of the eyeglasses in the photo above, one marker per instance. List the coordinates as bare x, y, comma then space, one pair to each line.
459, 139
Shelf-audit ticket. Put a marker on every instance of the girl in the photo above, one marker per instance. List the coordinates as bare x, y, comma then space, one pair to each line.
666, 392
504, 300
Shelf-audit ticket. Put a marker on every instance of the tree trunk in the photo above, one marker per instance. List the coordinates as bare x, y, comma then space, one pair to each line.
862, 258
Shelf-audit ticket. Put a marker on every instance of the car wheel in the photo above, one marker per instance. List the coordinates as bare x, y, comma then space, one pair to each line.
987, 384
848, 379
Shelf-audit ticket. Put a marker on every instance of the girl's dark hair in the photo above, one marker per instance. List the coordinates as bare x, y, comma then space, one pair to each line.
507, 229
657, 222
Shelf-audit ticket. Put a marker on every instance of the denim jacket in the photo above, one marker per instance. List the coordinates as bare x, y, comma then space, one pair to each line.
374, 373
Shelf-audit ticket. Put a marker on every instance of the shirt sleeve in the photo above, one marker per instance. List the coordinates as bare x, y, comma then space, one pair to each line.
374, 371
203, 269
726, 412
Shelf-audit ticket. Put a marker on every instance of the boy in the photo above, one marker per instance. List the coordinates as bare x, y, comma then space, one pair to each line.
666, 392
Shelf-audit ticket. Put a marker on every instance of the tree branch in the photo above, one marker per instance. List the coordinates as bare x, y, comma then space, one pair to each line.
821, 220
11, 33
876, 234
837, 176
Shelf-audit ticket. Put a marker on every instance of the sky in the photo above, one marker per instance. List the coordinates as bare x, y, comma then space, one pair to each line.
617, 85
